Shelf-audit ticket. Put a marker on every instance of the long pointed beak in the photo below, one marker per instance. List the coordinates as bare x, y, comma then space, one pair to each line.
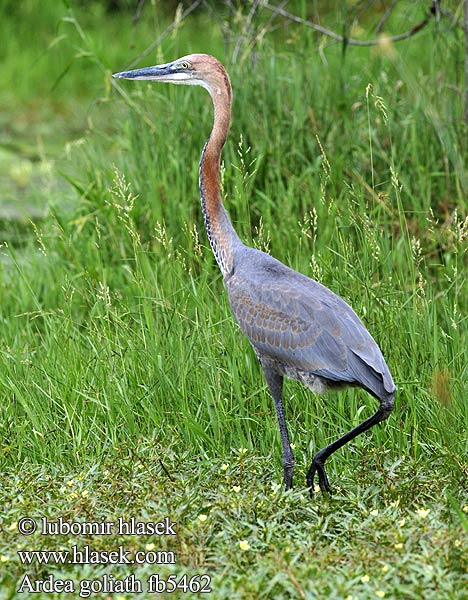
158, 72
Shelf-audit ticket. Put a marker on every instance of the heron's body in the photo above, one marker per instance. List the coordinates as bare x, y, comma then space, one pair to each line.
297, 327
300, 326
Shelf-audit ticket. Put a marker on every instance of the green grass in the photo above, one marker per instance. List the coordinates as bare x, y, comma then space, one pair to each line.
126, 383
371, 538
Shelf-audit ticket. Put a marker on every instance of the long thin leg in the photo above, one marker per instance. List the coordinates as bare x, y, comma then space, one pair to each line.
275, 384
319, 459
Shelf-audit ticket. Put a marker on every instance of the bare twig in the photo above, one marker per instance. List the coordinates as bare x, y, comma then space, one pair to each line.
165, 33
246, 28
388, 11
255, 36
339, 38
139, 10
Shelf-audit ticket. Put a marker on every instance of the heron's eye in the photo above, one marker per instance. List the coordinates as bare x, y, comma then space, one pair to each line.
184, 66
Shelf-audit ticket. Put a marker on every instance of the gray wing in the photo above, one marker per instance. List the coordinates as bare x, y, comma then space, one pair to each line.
300, 323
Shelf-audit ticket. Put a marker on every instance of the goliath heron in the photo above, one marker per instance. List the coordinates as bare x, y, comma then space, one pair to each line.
297, 327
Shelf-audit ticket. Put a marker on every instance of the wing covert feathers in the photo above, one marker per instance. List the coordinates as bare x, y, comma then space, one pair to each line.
299, 323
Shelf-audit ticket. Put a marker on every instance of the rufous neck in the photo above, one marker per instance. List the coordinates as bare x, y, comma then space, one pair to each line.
218, 225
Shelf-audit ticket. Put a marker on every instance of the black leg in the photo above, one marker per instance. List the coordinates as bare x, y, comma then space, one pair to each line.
275, 384
319, 459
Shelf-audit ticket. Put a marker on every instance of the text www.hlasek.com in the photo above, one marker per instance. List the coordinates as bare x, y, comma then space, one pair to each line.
88, 556
108, 583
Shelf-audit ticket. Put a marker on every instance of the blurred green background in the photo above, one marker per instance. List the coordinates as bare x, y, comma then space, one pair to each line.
120, 361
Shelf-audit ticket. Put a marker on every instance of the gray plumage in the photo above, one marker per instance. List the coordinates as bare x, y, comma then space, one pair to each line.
297, 327
310, 333
302, 330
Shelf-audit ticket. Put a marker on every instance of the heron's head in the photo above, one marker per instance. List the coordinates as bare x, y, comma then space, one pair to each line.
193, 69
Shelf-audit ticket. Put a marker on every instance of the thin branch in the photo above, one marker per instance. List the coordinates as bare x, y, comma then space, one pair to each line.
165, 33
139, 11
388, 11
339, 38
246, 28
256, 36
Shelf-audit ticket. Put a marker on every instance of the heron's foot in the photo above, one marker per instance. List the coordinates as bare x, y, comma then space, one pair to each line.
317, 467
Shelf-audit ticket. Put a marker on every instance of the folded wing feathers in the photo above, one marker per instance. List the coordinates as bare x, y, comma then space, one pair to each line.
305, 325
